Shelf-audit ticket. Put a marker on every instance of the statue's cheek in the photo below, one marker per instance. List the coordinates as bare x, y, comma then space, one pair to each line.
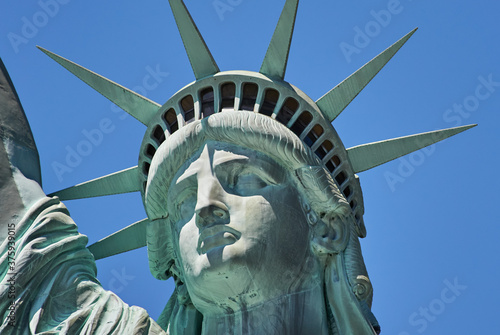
187, 243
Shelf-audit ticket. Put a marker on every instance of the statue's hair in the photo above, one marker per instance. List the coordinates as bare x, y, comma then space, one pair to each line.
269, 137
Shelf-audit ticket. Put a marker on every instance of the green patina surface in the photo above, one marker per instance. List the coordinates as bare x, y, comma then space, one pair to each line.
237, 152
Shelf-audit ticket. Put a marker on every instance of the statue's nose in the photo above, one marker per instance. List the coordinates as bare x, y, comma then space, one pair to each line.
210, 205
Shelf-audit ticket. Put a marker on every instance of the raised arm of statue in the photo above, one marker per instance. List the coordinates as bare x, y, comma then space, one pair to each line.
48, 279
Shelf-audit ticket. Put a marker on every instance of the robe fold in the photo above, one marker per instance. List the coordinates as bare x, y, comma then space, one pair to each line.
48, 281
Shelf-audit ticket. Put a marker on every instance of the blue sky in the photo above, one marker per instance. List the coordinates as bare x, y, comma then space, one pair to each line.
430, 216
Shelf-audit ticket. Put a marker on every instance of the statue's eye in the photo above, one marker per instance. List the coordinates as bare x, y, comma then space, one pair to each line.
246, 179
249, 181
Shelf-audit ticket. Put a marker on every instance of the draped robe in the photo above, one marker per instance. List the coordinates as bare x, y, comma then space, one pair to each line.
48, 281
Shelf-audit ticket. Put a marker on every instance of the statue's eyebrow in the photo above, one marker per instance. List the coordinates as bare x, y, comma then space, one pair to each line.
190, 172
184, 181
232, 158
188, 178
257, 163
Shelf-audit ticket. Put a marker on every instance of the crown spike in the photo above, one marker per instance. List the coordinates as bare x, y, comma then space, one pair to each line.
136, 105
200, 57
125, 181
367, 156
276, 59
335, 101
128, 239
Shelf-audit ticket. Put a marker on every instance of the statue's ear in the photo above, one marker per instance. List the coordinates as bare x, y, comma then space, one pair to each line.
329, 232
316, 184
327, 218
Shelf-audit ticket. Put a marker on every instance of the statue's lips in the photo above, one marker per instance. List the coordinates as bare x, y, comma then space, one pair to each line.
217, 236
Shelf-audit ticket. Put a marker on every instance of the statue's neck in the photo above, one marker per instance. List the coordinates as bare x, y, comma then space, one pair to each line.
298, 313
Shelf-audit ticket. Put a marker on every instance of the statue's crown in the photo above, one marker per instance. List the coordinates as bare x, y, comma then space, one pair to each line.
265, 93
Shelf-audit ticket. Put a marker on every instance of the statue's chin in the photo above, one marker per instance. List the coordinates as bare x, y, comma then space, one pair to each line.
228, 274
242, 275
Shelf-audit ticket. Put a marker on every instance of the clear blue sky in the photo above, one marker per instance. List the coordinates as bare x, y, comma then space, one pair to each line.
431, 217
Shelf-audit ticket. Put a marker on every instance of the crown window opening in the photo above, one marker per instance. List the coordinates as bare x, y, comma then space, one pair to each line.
353, 204
270, 101
145, 168
150, 151
301, 123
313, 135
341, 178
187, 104
159, 135
329, 165
324, 149
333, 163
207, 102
170, 118
336, 160
288, 110
250, 91
228, 94
347, 191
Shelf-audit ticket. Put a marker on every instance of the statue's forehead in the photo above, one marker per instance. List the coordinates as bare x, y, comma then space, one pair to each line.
215, 154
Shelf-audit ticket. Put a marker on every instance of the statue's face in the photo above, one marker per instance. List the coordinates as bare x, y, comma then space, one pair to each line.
241, 233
